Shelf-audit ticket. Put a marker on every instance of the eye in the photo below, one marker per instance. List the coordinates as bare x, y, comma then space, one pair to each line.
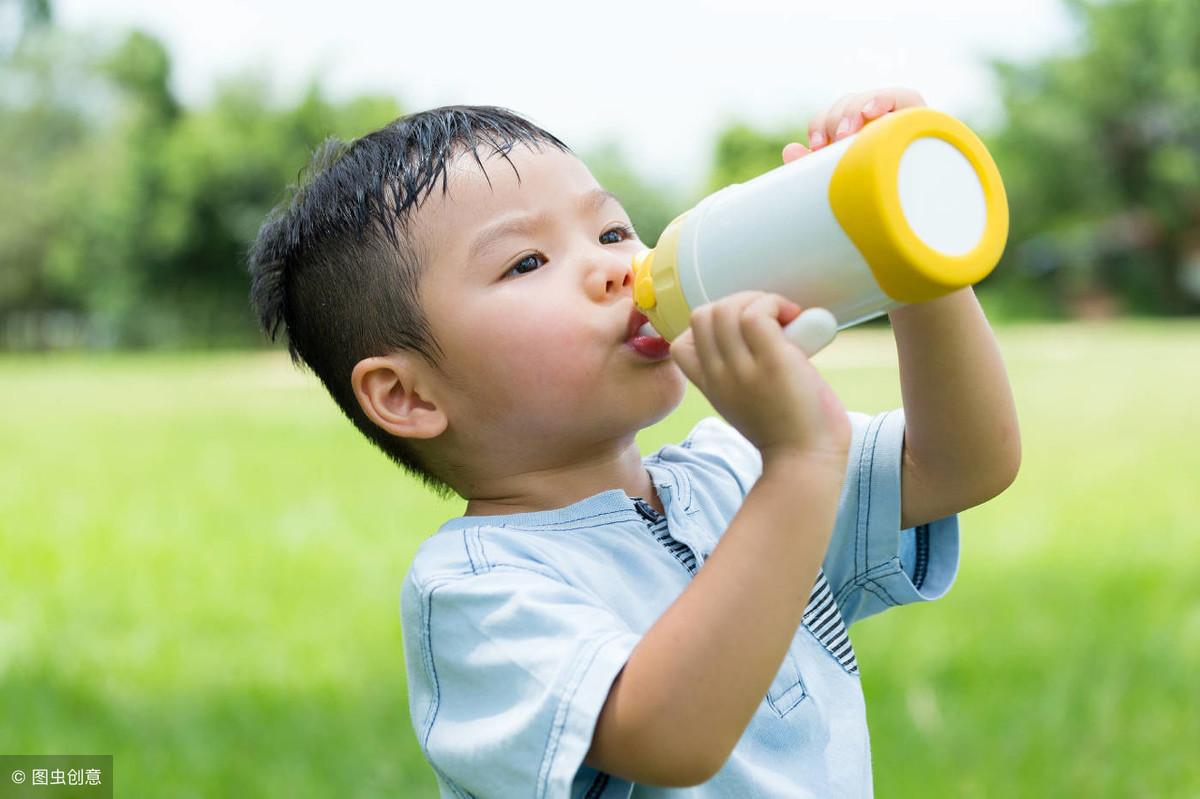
527, 264
531, 262
625, 231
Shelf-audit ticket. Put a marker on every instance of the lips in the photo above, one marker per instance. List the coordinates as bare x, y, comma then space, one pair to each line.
636, 320
641, 336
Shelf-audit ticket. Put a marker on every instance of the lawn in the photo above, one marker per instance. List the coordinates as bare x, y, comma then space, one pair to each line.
200, 564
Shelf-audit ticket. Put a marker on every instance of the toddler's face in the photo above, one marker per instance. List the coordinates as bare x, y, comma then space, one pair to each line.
530, 292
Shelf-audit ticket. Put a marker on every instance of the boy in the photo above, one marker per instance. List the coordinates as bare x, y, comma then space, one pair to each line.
598, 623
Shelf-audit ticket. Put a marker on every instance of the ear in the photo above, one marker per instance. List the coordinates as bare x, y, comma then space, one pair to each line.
394, 392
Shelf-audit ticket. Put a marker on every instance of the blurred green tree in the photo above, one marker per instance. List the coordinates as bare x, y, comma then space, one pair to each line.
124, 217
49, 110
19, 18
1100, 154
651, 207
742, 152
208, 180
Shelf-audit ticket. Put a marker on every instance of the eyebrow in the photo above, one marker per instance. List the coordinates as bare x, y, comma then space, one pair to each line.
591, 201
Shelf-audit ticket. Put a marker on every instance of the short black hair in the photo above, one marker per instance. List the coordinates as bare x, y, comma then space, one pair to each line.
335, 262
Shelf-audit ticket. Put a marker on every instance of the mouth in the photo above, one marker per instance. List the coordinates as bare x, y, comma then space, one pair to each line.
639, 325
641, 336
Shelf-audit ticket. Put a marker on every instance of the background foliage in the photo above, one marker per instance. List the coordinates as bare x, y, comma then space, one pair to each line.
125, 216
173, 592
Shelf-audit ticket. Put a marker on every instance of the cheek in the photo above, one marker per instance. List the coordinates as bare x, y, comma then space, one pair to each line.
535, 357
553, 349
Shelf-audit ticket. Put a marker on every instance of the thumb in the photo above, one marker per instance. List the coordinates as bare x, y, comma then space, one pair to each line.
683, 352
793, 151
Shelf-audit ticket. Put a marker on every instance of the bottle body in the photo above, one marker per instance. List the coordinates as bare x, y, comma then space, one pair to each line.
908, 209
777, 233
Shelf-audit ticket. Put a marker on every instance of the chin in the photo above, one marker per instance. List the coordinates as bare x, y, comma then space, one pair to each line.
668, 392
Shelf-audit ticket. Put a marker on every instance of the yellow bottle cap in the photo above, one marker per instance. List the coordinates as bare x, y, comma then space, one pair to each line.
864, 194
656, 288
643, 281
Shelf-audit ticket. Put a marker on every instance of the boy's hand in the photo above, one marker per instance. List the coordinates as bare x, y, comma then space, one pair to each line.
736, 353
848, 115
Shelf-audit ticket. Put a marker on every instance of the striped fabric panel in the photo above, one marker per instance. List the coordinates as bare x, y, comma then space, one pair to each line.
658, 528
680, 550
921, 568
598, 785
821, 616
824, 621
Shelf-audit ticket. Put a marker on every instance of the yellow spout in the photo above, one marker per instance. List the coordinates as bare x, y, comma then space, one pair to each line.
643, 280
656, 289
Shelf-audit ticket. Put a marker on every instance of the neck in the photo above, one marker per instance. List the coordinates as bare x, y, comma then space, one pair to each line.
557, 485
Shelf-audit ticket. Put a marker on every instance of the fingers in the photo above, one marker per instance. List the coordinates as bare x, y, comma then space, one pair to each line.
683, 352
823, 127
877, 106
851, 112
727, 324
734, 333
853, 118
718, 342
820, 131
705, 339
762, 324
793, 151
837, 122
898, 97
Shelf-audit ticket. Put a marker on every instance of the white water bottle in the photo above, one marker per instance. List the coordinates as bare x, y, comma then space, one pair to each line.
908, 209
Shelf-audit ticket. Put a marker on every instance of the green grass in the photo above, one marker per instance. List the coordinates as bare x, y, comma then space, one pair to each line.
200, 563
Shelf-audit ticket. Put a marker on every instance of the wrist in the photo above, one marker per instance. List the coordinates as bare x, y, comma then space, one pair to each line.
813, 463
947, 304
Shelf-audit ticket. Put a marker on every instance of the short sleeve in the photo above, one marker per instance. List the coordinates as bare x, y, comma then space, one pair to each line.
508, 670
871, 563
722, 447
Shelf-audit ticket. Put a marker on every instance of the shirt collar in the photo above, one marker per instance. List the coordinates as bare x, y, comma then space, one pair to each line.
614, 500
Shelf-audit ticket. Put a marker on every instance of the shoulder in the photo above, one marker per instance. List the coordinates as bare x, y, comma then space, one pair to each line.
715, 449
459, 554
443, 556
716, 452
452, 569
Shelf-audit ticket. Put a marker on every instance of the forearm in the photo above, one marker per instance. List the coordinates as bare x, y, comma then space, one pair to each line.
960, 419
695, 680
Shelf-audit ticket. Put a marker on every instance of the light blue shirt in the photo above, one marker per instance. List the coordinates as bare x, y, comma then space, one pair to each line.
516, 626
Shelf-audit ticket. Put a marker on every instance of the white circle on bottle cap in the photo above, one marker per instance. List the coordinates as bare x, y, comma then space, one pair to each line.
941, 196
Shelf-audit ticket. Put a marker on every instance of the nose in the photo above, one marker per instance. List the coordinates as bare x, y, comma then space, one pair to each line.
611, 274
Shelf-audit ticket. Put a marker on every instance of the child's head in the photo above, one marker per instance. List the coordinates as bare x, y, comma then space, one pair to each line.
471, 332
